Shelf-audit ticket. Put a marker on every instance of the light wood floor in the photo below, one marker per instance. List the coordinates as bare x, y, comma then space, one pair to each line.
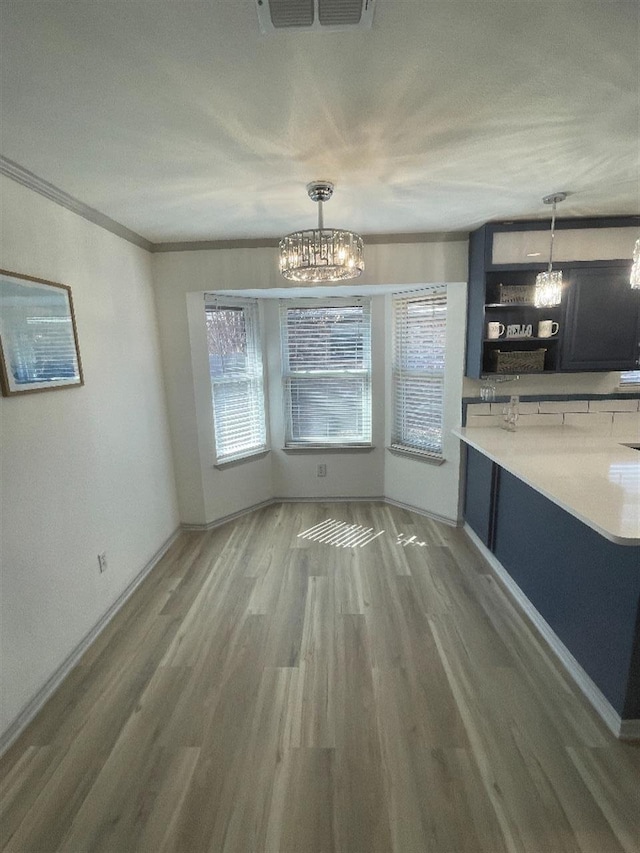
263, 692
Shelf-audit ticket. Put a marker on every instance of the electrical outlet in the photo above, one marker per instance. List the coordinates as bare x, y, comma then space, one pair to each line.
515, 400
102, 562
321, 470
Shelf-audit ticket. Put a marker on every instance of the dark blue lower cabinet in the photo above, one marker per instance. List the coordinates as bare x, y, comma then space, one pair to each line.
585, 587
479, 499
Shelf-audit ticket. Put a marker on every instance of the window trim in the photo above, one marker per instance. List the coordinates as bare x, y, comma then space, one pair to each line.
252, 315
297, 446
413, 453
238, 460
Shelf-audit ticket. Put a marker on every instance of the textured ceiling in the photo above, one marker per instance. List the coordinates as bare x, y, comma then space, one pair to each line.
179, 120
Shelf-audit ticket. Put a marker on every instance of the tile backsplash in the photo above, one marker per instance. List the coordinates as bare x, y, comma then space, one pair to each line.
603, 416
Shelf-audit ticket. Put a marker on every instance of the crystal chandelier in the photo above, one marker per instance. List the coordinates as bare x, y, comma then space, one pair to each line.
548, 290
635, 269
321, 254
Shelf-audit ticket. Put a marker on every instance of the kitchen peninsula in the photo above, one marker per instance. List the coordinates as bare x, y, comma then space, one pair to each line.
556, 511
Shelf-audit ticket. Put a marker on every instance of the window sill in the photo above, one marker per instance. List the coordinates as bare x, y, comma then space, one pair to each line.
238, 460
419, 455
329, 448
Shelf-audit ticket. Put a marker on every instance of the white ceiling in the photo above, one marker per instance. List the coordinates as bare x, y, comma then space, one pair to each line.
179, 120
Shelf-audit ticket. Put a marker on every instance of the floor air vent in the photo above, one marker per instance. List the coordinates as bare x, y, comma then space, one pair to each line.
315, 14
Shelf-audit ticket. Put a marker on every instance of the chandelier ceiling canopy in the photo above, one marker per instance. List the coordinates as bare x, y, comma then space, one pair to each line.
321, 254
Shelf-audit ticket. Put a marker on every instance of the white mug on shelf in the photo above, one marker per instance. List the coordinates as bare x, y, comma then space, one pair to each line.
547, 328
495, 330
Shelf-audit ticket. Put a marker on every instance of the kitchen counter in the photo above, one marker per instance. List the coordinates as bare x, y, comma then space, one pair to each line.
594, 478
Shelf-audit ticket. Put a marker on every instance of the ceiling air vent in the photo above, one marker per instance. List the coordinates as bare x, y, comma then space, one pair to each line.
315, 14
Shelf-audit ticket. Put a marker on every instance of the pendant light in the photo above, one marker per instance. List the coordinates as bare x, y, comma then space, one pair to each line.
635, 269
321, 254
548, 290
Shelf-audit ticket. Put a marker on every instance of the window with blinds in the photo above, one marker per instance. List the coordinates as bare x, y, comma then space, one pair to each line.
419, 327
235, 367
326, 364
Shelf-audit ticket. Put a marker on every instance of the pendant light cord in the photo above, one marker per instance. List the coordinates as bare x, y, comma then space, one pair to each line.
320, 216
553, 232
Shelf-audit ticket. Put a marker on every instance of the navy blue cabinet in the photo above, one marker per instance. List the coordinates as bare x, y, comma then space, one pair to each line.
585, 587
480, 490
602, 321
598, 319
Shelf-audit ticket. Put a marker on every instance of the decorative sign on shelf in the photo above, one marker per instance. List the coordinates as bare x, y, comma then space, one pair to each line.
519, 330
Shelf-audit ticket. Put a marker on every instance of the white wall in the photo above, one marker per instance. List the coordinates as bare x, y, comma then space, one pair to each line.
207, 494
84, 470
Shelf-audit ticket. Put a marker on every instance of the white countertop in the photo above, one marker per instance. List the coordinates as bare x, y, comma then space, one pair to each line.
595, 478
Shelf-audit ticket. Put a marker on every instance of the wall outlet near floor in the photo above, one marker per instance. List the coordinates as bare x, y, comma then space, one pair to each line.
321, 470
102, 562
515, 400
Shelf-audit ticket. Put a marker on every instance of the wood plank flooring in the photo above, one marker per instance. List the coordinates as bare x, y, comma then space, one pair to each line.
264, 692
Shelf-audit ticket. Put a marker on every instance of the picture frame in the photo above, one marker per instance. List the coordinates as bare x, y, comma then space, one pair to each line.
39, 348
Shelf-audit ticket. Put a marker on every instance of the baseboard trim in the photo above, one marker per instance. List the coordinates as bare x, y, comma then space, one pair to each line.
375, 499
225, 519
450, 522
32, 707
629, 730
622, 729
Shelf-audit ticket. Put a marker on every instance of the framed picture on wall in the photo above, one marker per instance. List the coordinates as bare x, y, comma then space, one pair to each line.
38, 337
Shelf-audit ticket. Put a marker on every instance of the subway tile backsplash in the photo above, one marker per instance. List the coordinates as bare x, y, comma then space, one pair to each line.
626, 423
600, 422
525, 408
564, 406
551, 419
484, 420
478, 409
630, 405
604, 417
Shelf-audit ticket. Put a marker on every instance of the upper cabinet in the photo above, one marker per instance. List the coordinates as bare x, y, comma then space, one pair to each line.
602, 330
595, 328
513, 248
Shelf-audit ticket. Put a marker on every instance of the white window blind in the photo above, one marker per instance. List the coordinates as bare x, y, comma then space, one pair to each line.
235, 366
419, 327
326, 363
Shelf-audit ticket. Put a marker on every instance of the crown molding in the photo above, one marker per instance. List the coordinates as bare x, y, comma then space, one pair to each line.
28, 179
272, 242
23, 176
209, 245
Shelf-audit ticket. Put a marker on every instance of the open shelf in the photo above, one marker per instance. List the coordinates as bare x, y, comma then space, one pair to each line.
528, 339
513, 305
